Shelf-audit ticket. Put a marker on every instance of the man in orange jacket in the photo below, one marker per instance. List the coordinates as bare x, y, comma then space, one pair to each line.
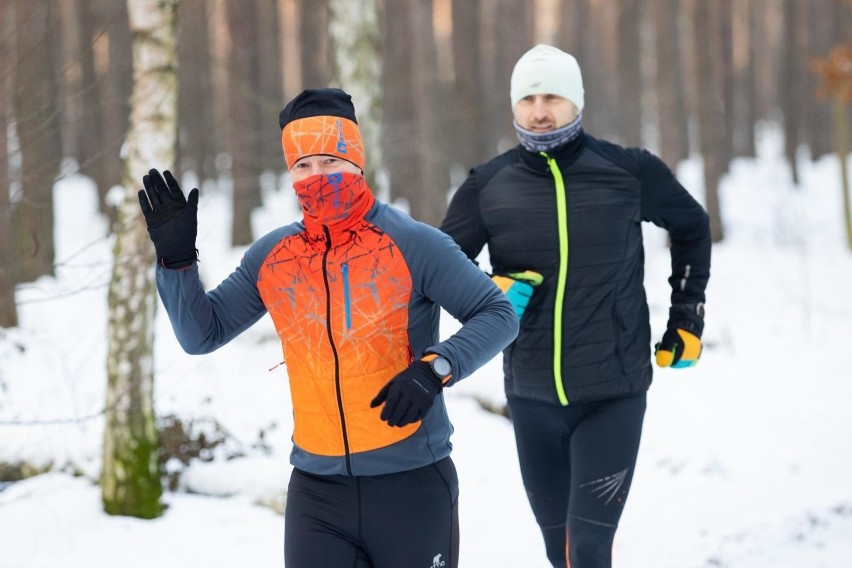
354, 291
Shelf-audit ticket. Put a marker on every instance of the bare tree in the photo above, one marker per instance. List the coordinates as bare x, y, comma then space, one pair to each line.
671, 106
710, 108
356, 67
792, 78
744, 101
469, 147
574, 36
629, 76
130, 482
198, 134
90, 130
8, 309
822, 35
398, 121
767, 56
512, 29
270, 87
417, 163
95, 41
722, 25
243, 119
313, 43
38, 127
118, 84
597, 60
427, 193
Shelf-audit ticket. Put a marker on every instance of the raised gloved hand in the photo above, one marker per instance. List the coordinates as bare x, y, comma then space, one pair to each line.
172, 220
518, 287
409, 395
681, 343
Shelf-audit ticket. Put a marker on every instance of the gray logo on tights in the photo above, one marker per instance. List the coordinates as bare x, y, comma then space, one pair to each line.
607, 487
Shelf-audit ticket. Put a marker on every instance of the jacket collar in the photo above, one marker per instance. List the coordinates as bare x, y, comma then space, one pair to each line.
564, 155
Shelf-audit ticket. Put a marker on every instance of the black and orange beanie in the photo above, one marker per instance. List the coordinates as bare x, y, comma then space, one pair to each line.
321, 121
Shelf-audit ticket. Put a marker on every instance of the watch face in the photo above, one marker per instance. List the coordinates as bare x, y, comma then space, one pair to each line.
441, 366
700, 309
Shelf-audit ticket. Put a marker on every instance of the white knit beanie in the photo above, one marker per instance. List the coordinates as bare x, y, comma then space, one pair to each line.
545, 69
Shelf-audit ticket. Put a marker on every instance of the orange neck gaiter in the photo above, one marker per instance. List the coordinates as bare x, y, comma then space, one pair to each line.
333, 199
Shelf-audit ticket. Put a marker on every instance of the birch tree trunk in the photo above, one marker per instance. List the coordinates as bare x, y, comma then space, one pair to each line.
130, 483
356, 66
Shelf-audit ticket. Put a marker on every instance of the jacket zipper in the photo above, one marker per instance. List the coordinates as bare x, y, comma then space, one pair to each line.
347, 307
562, 226
334, 348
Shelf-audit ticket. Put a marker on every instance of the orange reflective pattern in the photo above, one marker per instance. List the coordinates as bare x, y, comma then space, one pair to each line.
342, 314
331, 135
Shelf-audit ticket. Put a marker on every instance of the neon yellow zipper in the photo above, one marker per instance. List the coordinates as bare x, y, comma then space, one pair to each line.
562, 225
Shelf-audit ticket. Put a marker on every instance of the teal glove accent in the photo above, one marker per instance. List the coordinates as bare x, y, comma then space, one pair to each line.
518, 287
678, 349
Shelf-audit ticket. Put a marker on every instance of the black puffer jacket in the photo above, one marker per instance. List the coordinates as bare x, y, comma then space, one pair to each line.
575, 217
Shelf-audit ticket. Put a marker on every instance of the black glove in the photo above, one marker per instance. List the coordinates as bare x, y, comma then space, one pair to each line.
681, 346
172, 220
409, 395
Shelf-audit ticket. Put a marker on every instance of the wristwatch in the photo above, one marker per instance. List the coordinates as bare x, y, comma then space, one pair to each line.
440, 365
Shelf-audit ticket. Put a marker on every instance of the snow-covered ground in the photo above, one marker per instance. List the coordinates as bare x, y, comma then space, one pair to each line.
744, 460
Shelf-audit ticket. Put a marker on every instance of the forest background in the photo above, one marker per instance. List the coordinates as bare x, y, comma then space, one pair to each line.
682, 77
430, 78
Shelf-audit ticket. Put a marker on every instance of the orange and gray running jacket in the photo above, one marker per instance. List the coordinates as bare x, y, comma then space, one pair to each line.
355, 292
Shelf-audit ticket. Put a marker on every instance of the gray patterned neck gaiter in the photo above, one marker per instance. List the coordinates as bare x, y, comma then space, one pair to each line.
546, 141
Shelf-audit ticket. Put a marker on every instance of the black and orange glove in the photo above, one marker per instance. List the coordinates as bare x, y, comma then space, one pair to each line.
681, 346
409, 395
172, 220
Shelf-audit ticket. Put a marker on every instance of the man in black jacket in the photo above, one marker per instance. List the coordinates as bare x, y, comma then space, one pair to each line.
561, 215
